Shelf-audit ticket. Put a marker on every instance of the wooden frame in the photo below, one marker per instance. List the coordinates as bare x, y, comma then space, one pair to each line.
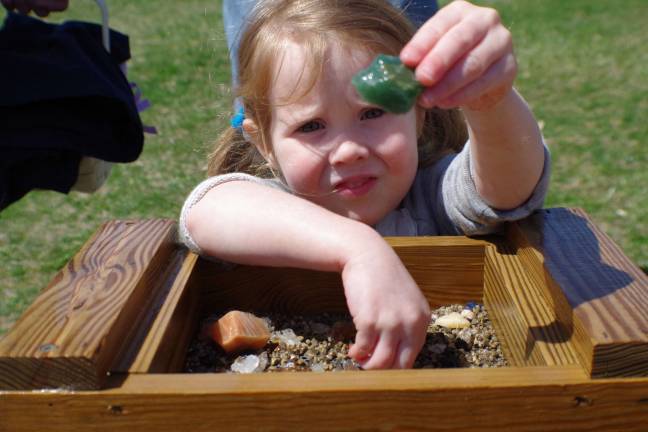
102, 346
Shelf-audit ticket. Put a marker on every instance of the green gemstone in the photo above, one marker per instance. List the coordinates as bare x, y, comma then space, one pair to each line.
389, 84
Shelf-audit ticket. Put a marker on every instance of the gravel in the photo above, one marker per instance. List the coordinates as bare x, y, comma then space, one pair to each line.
320, 343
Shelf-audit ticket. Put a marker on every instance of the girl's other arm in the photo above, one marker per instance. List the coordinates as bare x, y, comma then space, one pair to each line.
464, 56
507, 151
248, 223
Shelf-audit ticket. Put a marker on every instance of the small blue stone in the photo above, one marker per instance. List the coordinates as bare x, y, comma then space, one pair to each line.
471, 305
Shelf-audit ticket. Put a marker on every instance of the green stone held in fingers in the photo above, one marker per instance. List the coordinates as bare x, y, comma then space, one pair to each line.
389, 84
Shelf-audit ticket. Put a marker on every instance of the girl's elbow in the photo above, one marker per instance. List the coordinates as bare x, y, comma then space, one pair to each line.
507, 198
191, 221
195, 225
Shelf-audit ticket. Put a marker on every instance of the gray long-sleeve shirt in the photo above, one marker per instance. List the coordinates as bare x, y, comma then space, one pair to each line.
443, 200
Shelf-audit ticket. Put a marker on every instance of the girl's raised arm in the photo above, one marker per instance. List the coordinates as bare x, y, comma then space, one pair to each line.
464, 56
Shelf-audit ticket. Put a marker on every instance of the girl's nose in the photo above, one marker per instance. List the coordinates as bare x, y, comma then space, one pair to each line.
348, 151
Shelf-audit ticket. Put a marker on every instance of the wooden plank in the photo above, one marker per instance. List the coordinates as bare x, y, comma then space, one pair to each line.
267, 289
72, 333
599, 295
527, 324
518, 282
511, 326
447, 269
529, 399
167, 341
437, 263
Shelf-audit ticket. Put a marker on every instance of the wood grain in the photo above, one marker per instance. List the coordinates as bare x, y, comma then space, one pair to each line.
526, 399
152, 355
528, 327
447, 269
72, 333
599, 295
511, 326
168, 339
553, 284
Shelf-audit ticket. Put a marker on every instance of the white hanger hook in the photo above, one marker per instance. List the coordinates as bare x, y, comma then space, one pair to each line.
105, 29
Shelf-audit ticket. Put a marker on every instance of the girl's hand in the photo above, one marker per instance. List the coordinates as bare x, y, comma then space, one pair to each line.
389, 311
464, 56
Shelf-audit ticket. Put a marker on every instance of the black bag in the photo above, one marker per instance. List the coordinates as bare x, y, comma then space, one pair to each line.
62, 97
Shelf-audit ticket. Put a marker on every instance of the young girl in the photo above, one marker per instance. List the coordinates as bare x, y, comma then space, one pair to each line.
314, 176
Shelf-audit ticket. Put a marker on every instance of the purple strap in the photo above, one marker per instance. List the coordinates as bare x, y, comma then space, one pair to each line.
141, 104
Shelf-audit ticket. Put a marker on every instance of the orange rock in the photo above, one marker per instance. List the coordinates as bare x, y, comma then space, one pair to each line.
239, 331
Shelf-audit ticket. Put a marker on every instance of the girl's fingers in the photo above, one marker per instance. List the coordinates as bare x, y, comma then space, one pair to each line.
365, 341
428, 35
487, 90
473, 66
383, 355
406, 355
450, 49
411, 344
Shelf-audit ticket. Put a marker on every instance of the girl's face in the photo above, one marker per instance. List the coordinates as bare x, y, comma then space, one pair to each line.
332, 147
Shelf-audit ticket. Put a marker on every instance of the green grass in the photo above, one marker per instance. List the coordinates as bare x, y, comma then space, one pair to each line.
179, 61
582, 67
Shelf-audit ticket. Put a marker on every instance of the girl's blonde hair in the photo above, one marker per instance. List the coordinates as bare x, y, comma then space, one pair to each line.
374, 25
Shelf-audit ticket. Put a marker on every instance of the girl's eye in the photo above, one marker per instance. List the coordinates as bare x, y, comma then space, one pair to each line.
372, 113
311, 126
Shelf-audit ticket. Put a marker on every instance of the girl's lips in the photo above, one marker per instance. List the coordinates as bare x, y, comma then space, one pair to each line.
355, 186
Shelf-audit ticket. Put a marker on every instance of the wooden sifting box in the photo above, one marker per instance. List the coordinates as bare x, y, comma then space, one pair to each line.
103, 346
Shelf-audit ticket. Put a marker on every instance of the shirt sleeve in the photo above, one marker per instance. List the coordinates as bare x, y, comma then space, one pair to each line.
199, 192
468, 211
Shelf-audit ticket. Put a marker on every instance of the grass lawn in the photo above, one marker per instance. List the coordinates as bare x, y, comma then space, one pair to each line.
582, 67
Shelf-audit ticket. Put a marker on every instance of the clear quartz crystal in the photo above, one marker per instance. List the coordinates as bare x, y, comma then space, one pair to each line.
317, 367
345, 365
349, 365
286, 337
250, 363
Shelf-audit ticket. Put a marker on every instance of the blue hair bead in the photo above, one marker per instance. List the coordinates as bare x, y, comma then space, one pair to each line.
237, 120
